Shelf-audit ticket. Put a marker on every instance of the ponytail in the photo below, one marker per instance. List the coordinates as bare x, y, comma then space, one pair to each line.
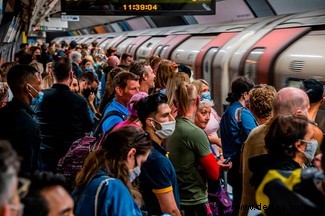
185, 94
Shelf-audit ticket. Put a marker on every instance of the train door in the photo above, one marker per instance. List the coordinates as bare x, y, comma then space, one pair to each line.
259, 61
135, 44
186, 53
86, 38
123, 45
146, 48
203, 68
105, 43
304, 59
226, 63
167, 45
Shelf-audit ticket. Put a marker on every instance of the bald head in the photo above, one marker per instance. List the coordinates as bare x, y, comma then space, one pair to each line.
113, 61
290, 100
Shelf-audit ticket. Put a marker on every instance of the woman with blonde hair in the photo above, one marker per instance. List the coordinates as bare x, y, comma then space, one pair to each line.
104, 185
190, 153
172, 84
214, 121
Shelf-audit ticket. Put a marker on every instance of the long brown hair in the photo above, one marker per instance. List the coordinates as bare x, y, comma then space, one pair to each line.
165, 70
111, 157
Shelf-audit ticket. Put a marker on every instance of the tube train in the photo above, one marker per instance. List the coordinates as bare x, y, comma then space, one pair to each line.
279, 50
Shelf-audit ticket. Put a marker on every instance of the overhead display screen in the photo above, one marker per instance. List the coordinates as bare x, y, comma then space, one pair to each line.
138, 7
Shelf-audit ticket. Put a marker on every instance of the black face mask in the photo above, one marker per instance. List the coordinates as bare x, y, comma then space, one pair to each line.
38, 58
86, 93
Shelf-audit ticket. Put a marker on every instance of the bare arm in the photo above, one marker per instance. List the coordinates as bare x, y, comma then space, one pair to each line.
167, 203
215, 140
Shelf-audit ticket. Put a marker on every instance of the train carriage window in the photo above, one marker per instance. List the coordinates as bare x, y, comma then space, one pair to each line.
89, 41
294, 82
158, 50
103, 44
122, 47
250, 65
129, 48
207, 64
320, 118
145, 49
163, 51
84, 40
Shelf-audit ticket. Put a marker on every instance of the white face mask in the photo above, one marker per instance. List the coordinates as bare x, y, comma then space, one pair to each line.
167, 129
135, 172
310, 149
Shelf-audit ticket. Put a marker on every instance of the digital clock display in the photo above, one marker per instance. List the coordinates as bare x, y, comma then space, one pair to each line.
138, 7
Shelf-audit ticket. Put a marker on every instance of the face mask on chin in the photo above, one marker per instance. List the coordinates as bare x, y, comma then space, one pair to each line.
38, 100
167, 129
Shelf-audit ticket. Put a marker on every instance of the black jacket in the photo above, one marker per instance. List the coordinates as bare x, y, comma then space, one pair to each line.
261, 164
19, 127
63, 117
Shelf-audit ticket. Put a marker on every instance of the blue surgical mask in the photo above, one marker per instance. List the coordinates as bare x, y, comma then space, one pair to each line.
89, 69
310, 149
38, 100
135, 172
206, 95
162, 91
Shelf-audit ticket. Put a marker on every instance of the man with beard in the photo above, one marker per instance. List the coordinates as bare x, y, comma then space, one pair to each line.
88, 88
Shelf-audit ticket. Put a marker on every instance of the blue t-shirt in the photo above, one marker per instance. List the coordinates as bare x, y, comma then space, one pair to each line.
157, 176
114, 198
111, 121
234, 134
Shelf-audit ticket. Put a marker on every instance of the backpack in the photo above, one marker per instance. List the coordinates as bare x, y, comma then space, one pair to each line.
70, 164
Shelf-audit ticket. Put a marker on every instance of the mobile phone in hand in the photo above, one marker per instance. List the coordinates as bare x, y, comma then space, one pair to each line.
227, 161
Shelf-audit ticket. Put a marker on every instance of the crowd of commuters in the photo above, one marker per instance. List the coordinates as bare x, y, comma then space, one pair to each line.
151, 140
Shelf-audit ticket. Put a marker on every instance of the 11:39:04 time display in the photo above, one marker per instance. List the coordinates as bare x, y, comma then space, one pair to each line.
140, 7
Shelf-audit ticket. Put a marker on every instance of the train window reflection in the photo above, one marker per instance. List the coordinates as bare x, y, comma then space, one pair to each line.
207, 64
294, 82
320, 117
250, 65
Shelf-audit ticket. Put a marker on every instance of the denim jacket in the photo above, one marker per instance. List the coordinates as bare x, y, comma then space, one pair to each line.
234, 133
114, 198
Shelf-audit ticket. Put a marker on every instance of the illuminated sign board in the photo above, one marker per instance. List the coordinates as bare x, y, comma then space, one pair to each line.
138, 7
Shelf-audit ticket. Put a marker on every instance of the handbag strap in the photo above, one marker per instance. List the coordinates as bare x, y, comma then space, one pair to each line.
97, 193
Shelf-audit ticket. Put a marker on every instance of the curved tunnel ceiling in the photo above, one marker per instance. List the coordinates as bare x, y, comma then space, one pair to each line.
35, 11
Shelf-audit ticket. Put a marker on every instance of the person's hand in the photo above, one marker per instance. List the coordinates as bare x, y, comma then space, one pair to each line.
91, 98
224, 167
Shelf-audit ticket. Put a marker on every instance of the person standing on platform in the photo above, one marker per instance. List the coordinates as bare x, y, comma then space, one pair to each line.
146, 75
62, 115
191, 155
17, 123
235, 125
158, 181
